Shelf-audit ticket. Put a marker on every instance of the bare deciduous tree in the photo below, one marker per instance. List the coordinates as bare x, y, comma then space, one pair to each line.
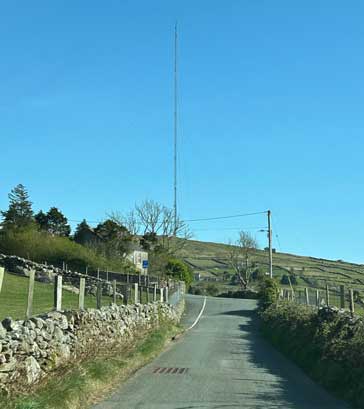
149, 214
129, 220
238, 256
152, 219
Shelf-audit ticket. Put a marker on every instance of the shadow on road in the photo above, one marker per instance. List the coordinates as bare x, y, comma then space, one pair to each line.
275, 382
241, 313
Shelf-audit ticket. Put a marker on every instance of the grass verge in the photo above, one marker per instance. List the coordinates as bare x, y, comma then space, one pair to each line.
89, 381
13, 298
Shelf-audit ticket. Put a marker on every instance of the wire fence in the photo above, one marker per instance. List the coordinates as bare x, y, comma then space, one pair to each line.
340, 296
24, 297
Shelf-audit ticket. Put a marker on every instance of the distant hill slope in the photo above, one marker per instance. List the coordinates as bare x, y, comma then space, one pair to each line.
210, 259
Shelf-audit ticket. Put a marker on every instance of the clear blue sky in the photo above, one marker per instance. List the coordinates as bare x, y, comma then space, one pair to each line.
271, 113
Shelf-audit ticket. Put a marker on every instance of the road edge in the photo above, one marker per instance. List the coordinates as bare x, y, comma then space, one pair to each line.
199, 316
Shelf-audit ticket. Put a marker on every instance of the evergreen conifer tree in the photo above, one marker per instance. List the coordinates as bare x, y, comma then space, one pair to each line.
19, 213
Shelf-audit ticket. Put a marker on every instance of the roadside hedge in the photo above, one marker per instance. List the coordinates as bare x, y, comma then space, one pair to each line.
327, 343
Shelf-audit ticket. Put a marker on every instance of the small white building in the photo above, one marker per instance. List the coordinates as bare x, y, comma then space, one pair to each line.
140, 260
197, 276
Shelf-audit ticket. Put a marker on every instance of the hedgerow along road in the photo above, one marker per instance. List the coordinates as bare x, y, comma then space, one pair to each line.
222, 362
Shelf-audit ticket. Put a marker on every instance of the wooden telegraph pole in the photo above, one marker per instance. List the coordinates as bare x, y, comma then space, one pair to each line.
270, 244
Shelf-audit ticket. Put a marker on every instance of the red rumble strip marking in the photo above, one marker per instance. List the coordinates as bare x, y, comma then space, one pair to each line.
178, 371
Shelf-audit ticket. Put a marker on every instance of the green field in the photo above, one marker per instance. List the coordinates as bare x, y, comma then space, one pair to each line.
13, 298
211, 260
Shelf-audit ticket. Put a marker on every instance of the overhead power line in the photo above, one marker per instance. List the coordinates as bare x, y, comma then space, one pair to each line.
230, 228
224, 217
195, 220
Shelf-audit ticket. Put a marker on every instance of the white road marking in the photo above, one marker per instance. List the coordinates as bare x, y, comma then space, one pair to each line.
199, 315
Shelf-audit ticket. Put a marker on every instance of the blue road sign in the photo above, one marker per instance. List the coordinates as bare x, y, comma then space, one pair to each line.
145, 263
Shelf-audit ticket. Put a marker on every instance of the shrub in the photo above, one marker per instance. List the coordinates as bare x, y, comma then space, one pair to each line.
212, 290
288, 279
268, 292
195, 290
179, 270
258, 274
41, 246
327, 344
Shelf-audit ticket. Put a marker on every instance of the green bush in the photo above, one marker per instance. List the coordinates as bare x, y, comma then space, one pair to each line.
40, 246
258, 274
288, 279
327, 344
268, 292
179, 270
212, 290
196, 291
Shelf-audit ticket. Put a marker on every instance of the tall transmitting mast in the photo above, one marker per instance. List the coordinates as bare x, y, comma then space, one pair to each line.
175, 133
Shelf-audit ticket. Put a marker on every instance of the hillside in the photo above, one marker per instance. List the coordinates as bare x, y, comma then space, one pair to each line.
210, 260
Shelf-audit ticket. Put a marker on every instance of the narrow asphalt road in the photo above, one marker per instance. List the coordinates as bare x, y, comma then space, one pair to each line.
223, 362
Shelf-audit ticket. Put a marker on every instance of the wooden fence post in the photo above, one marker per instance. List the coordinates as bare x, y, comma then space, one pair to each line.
155, 293
30, 294
342, 296
352, 309
327, 296
98, 295
141, 294
307, 298
58, 293
114, 291
98, 273
161, 291
81, 294
2, 272
136, 293
125, 292
318, 298
166, 296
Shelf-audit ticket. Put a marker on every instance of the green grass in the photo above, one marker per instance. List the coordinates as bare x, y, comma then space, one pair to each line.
211, 260
90, 380
207, 258
14, 294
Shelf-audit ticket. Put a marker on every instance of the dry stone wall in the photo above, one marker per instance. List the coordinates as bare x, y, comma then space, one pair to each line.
31, 349
46, 273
